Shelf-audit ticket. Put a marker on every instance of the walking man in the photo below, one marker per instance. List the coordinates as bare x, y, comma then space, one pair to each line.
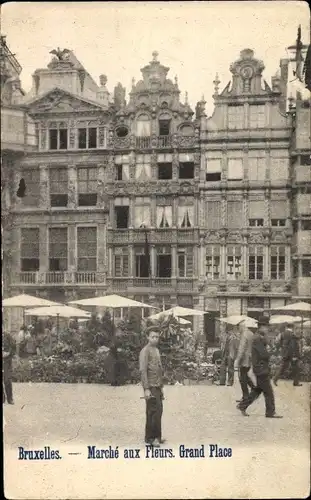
229, 353
290, 352
8, 351
244, 360
261, 369
151, 378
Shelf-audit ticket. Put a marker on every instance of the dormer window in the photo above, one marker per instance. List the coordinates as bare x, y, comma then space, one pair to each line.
87, 138
58, 138
164, 127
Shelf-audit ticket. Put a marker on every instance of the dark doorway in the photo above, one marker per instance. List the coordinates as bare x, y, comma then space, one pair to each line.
210, 322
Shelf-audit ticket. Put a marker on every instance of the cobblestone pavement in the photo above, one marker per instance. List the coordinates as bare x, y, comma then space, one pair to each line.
72, 416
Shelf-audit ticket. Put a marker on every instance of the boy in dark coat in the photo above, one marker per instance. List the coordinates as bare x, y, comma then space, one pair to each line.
152, 382
261, 369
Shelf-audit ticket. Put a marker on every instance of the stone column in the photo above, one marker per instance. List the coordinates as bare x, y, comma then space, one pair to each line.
153, 261
44, 248
72, 248
175, 165
288, 262
110, 262
174, 261
101, 198
72, 187
202, 251
102, 247
44, 187
153, 214
174, 211
266, 262
131, 212
131, 261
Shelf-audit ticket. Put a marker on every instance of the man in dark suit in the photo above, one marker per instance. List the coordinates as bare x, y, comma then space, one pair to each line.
290, 352
244, 359
8, 351
261, 369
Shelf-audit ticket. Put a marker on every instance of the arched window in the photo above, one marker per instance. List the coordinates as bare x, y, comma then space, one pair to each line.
143, 126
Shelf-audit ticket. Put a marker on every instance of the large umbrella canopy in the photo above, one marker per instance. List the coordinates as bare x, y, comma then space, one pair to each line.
237, 319
110, 301
60, 311
302, 308
283, 318
178, 311
27, 301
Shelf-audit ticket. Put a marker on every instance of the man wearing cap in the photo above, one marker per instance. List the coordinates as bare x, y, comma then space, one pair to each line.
244, 359
261, 369
152, 382
290, 352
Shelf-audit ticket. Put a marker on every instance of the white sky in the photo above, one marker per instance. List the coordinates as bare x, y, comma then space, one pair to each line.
195, 39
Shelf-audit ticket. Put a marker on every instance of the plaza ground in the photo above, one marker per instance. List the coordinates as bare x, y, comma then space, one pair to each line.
270, 457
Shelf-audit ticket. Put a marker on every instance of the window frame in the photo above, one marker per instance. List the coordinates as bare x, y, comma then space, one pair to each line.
88, 257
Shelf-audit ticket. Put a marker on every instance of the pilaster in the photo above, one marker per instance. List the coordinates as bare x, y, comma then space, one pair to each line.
44, 187
72, 187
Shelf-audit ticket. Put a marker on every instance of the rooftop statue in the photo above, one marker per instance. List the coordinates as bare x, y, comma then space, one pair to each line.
60, 54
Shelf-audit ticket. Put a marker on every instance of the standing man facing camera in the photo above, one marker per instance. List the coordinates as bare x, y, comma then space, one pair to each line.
152, 382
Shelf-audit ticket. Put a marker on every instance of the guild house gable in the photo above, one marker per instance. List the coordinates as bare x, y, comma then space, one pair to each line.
60, 101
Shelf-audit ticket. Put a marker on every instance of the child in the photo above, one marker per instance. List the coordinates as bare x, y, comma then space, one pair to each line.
151, 378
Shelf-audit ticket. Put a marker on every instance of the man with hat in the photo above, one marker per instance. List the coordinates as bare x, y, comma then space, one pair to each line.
290, 352
261, 369
152, 382
244, 359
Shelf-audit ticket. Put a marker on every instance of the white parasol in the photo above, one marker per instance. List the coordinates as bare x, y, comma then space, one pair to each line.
60, 311
283, 318
178, 311
25, 300
237, 319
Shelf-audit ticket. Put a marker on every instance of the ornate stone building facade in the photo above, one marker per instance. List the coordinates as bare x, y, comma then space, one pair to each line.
150, 199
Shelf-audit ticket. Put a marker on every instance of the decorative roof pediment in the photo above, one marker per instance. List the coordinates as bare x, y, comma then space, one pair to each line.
61, 101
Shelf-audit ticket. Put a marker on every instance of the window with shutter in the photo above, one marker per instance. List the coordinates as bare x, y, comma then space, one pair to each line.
30, 257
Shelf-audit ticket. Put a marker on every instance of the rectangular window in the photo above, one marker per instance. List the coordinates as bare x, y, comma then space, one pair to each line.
255, 222
165, 171
306, 268
279, 169
164, 262
278, 210
255, 263
32, 183
58, 138
257, 117
164, 216
30, 257
142, 263
87, 138
235, 116
277, 263
212, 262
213, 169
234, 262
87, 187
122, 217
186, 170
306, 225
278, 222
122, 171
59, 187
256, 169
235, 214
235, 169
142, 212
87, 248
305, 160
121, 262
213, 215
58, 250
185, 262
186, 216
